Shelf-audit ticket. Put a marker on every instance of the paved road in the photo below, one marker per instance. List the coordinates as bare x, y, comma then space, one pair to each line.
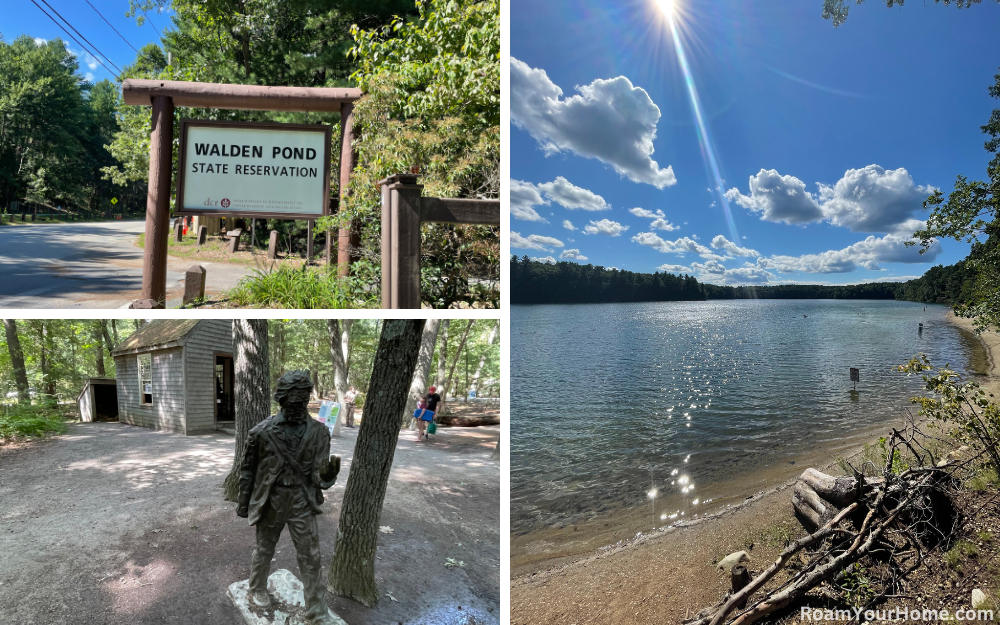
87, 265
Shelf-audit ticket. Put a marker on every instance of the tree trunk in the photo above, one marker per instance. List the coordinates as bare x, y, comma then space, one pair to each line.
251, 389
17, 361
339, 368
496, 451
45, 343
418, 388
352, 572
482, 359
345, 344
114, 331
442, 354
103, 323
451, 372
99, 355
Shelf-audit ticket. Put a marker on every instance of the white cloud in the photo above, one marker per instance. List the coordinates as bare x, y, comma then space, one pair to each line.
870, 199
524, 196
571, 196
573, 254
721, 242
40, 42
715, 273
866, 254
659, 219
85, 57
534, 242
544, 259
778, 198
610, 120
568, 225
89, 76
873, 199
605, 226
682, 245
678, 269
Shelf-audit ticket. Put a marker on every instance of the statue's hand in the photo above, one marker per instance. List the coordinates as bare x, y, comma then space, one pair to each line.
331, 470
243, 512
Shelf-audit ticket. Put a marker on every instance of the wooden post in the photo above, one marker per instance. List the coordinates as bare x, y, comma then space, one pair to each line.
347, 160
741, 577
178, 230
309, 241
202, 235
401, 234
154, 264
272, 245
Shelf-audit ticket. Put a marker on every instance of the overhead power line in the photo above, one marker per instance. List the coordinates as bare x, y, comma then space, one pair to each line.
151, 22
106, 58
73, 38
112, 27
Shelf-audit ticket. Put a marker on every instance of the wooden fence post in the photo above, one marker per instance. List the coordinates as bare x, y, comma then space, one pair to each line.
347, 160
154, 263
309, 241
401, 241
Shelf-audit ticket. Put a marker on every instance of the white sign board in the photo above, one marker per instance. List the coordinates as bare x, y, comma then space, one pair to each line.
254, 169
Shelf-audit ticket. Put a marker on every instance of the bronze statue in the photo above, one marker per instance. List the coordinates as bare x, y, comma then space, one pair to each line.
286, 466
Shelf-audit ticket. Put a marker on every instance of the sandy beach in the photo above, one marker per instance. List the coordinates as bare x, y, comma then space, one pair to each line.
574, 575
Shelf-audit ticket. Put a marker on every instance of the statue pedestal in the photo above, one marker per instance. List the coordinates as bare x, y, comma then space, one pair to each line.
287, 607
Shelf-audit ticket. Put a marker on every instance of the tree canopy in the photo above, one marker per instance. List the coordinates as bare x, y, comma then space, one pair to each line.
836, 10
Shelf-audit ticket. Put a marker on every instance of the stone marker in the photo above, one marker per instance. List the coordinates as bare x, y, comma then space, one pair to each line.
272, 245
202, 235
234, 240
178, 231
144, 304
194, 284
276, 491
287, 603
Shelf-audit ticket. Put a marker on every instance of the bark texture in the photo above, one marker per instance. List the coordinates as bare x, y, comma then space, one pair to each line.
251, 389
17, 361
352, 572
418, 388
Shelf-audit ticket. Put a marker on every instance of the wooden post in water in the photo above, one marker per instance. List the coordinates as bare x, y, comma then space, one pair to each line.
154, 262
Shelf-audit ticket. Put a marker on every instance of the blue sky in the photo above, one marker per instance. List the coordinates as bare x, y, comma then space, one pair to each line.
825, 140
22, 17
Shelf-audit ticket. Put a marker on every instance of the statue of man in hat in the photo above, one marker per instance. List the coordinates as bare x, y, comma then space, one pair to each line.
286, 467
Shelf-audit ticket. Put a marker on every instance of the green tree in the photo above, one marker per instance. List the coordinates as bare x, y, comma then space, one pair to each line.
836, 10
971, 213
432, 104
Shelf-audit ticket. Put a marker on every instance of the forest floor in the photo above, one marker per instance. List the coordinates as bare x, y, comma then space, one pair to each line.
116, 524
666, 575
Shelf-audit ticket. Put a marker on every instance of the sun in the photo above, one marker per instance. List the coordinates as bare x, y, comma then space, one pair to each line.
667, 6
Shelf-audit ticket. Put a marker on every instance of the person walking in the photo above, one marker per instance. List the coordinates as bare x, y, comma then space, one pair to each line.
349, 398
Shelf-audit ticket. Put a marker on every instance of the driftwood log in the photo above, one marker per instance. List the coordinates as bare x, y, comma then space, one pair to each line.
899, 515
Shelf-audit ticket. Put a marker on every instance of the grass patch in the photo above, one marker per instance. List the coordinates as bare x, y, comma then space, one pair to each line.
18, 421
983, 479
288, 287
957, 555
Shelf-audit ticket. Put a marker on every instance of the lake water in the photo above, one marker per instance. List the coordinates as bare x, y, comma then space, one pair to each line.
698, 400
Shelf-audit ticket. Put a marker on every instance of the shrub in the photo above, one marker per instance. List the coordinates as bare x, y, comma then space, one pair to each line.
18, 421
286, 287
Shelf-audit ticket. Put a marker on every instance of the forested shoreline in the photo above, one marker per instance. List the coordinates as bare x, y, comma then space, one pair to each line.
534, 282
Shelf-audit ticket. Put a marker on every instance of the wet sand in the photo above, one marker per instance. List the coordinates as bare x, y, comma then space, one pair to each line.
618, 568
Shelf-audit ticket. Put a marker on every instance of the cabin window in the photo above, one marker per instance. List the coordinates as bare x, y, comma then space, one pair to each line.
146, 378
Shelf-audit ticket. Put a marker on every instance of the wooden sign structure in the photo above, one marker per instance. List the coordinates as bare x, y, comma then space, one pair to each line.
164, 95
855, 377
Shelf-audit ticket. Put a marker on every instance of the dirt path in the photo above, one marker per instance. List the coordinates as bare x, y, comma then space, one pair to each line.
112, 523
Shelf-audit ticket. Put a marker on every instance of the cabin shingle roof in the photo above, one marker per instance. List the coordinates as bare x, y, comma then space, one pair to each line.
156, 333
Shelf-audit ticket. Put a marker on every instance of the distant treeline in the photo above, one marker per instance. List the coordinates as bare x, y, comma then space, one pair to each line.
534, 282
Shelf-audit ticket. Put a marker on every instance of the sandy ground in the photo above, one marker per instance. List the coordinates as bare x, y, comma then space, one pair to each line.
663, 576
112, 524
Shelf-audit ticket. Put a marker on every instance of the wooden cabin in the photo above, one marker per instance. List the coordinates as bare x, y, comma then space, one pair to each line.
177, 375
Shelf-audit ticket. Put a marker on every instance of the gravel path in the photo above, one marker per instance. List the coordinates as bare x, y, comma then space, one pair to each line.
112, 523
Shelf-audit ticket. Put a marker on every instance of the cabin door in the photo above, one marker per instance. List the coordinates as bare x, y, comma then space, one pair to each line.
225, 403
